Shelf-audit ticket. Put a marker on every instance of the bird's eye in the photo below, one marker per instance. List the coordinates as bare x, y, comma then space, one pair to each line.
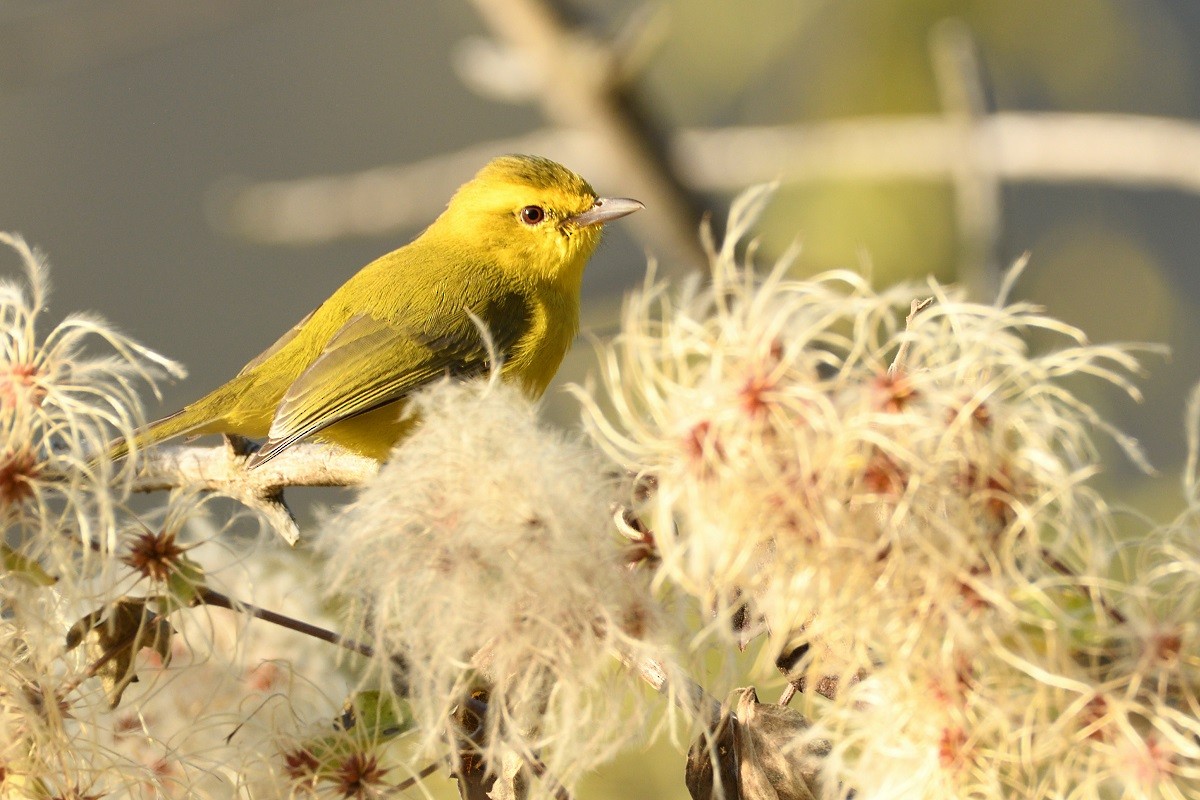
532, 215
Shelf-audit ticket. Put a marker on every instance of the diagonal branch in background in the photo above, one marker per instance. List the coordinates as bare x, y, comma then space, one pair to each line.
977, 197
580, 81
1128, 151
583, 82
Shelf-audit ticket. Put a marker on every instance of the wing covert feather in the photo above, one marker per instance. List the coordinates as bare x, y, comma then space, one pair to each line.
278, 345
371, 362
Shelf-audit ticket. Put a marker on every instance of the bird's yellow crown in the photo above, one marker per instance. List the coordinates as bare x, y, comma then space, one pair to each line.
525, 207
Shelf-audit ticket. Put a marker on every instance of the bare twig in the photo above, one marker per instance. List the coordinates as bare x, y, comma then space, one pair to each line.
694, 700
538, 767
413, 780
222, 469
898, 363
211, 597
1058, 565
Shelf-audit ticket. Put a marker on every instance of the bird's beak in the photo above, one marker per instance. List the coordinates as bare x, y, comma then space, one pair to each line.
606, 209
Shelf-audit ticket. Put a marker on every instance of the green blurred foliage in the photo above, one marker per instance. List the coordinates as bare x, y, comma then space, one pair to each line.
784, 61
717, 54
888, 231
780, 60
1103, 279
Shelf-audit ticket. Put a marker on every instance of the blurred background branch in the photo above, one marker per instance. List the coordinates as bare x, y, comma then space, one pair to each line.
960, 84
581, 81
1130, 151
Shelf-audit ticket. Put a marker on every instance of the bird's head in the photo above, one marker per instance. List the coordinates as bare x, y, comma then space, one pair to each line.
534, 216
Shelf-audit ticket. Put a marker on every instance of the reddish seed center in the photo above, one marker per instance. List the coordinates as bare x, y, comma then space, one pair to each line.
1167, 647
17, 473
952, 747
18, 384
894, 392
754, 395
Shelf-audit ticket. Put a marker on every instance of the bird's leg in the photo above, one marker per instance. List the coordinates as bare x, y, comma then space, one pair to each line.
269, 503
239, 446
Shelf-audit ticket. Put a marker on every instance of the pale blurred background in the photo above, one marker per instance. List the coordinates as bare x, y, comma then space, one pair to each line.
135, 137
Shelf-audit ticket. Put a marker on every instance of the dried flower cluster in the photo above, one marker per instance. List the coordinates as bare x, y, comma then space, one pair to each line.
485, 559
59, 407
47, 746
894, 498
217, 701
903, 509
109, 685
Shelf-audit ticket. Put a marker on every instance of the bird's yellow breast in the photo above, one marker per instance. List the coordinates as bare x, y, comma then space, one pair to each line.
536, 356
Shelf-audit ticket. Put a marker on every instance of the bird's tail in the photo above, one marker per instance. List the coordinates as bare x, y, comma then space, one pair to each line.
184, 421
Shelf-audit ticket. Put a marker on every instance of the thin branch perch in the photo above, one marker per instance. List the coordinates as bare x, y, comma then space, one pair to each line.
222, 469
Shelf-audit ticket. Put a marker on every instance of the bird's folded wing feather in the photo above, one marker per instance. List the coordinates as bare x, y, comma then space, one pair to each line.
278, 345
370, 363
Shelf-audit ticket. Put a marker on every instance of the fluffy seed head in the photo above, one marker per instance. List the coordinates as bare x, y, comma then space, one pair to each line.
485, 557
60, 405
797, 466
905, 501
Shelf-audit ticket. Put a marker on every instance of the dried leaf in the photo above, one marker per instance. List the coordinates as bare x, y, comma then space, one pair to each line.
382, 716
760, 754
775, 762
720, 760
27, 568
114, 635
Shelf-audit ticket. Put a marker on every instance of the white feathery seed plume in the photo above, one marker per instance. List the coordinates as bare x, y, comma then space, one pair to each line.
906, 501
484, 555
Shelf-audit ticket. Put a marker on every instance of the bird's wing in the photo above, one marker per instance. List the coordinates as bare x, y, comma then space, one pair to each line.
279, 344
371, 362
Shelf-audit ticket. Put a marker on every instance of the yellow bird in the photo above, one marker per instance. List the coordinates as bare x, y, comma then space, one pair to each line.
508, 252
